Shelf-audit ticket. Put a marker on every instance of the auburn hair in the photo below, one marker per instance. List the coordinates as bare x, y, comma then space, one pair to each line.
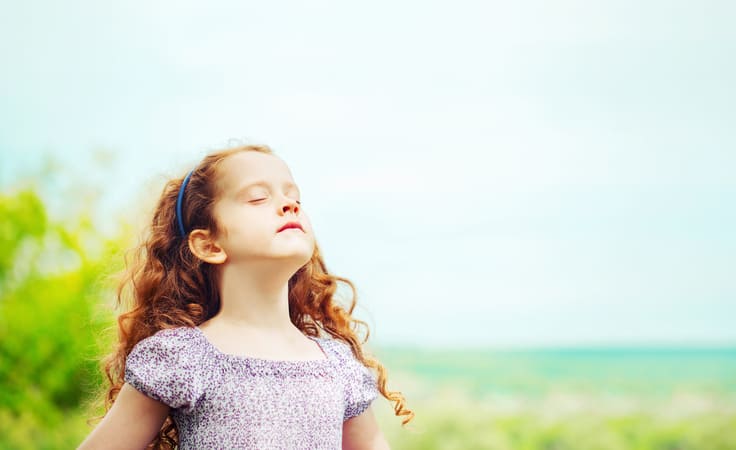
165, 285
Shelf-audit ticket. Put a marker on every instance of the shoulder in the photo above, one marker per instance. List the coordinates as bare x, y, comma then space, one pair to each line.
169, 342
168, 366
349, 365
177, 336
360, 383
168, 349
338, 349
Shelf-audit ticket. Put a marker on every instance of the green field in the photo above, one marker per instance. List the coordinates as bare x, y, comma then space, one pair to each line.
564, 399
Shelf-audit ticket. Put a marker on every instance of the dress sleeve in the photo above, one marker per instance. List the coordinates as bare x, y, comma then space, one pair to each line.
361, 386
161, 367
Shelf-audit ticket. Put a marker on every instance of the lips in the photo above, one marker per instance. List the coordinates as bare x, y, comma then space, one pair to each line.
288, 225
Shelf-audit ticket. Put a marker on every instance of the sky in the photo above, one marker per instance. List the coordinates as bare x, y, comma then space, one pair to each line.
489, 173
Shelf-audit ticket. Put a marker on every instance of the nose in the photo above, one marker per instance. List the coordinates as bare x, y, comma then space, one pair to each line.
290, 205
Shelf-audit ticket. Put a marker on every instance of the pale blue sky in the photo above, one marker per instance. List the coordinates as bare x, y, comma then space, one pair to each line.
488, 173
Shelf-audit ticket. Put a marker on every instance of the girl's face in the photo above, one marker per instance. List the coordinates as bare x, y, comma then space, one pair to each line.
258, 196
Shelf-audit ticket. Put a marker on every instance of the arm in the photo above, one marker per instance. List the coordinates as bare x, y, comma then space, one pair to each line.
131, 423
362, 433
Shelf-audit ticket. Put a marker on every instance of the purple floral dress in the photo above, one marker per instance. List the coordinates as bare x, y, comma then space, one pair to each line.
224, 401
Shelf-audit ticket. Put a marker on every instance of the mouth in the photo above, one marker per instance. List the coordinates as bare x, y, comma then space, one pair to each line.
290, 225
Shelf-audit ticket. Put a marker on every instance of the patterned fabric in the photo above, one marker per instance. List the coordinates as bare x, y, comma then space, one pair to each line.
220, 400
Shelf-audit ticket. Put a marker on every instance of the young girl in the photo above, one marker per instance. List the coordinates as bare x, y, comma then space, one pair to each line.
234, 339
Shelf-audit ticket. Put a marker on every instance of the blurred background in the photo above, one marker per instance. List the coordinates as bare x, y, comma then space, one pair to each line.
534, 199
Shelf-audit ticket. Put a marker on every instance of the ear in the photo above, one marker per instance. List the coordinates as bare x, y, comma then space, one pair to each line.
204, 247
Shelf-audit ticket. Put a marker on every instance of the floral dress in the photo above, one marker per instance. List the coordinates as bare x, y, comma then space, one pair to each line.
224, 401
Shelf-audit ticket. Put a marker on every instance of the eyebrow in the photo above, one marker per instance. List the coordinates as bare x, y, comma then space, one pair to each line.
287, 184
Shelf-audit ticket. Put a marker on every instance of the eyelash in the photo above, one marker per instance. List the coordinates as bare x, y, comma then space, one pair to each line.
298, 202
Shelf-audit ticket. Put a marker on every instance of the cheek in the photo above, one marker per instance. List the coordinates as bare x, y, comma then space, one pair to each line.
233, 221
306, 222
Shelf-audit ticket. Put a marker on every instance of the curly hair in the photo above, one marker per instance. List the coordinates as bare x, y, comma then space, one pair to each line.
166, 285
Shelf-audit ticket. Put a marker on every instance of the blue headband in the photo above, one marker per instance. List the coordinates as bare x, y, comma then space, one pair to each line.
179, 199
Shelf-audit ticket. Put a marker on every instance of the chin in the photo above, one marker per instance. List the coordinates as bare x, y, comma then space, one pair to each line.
296, 262
298, 251
301, 254
307, 255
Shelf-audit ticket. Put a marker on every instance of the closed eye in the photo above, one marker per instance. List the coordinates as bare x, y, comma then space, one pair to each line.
261, 199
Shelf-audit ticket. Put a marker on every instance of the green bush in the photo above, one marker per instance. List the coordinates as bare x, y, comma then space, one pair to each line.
52, 284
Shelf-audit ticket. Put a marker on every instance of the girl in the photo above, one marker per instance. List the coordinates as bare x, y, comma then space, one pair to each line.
234, 339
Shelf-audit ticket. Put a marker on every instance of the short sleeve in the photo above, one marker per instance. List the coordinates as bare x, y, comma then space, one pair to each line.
162, 367
361, 387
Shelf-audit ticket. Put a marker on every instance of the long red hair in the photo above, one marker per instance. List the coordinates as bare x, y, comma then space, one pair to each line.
166, 286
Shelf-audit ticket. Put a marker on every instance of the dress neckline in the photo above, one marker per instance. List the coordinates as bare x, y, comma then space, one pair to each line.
262, 361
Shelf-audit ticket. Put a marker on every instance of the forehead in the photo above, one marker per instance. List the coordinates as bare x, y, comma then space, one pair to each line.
244, 167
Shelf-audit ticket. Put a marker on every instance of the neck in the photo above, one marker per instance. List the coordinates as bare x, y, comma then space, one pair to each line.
255, 297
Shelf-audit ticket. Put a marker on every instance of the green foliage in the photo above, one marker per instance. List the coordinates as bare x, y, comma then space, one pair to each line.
24, 219
51, 324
